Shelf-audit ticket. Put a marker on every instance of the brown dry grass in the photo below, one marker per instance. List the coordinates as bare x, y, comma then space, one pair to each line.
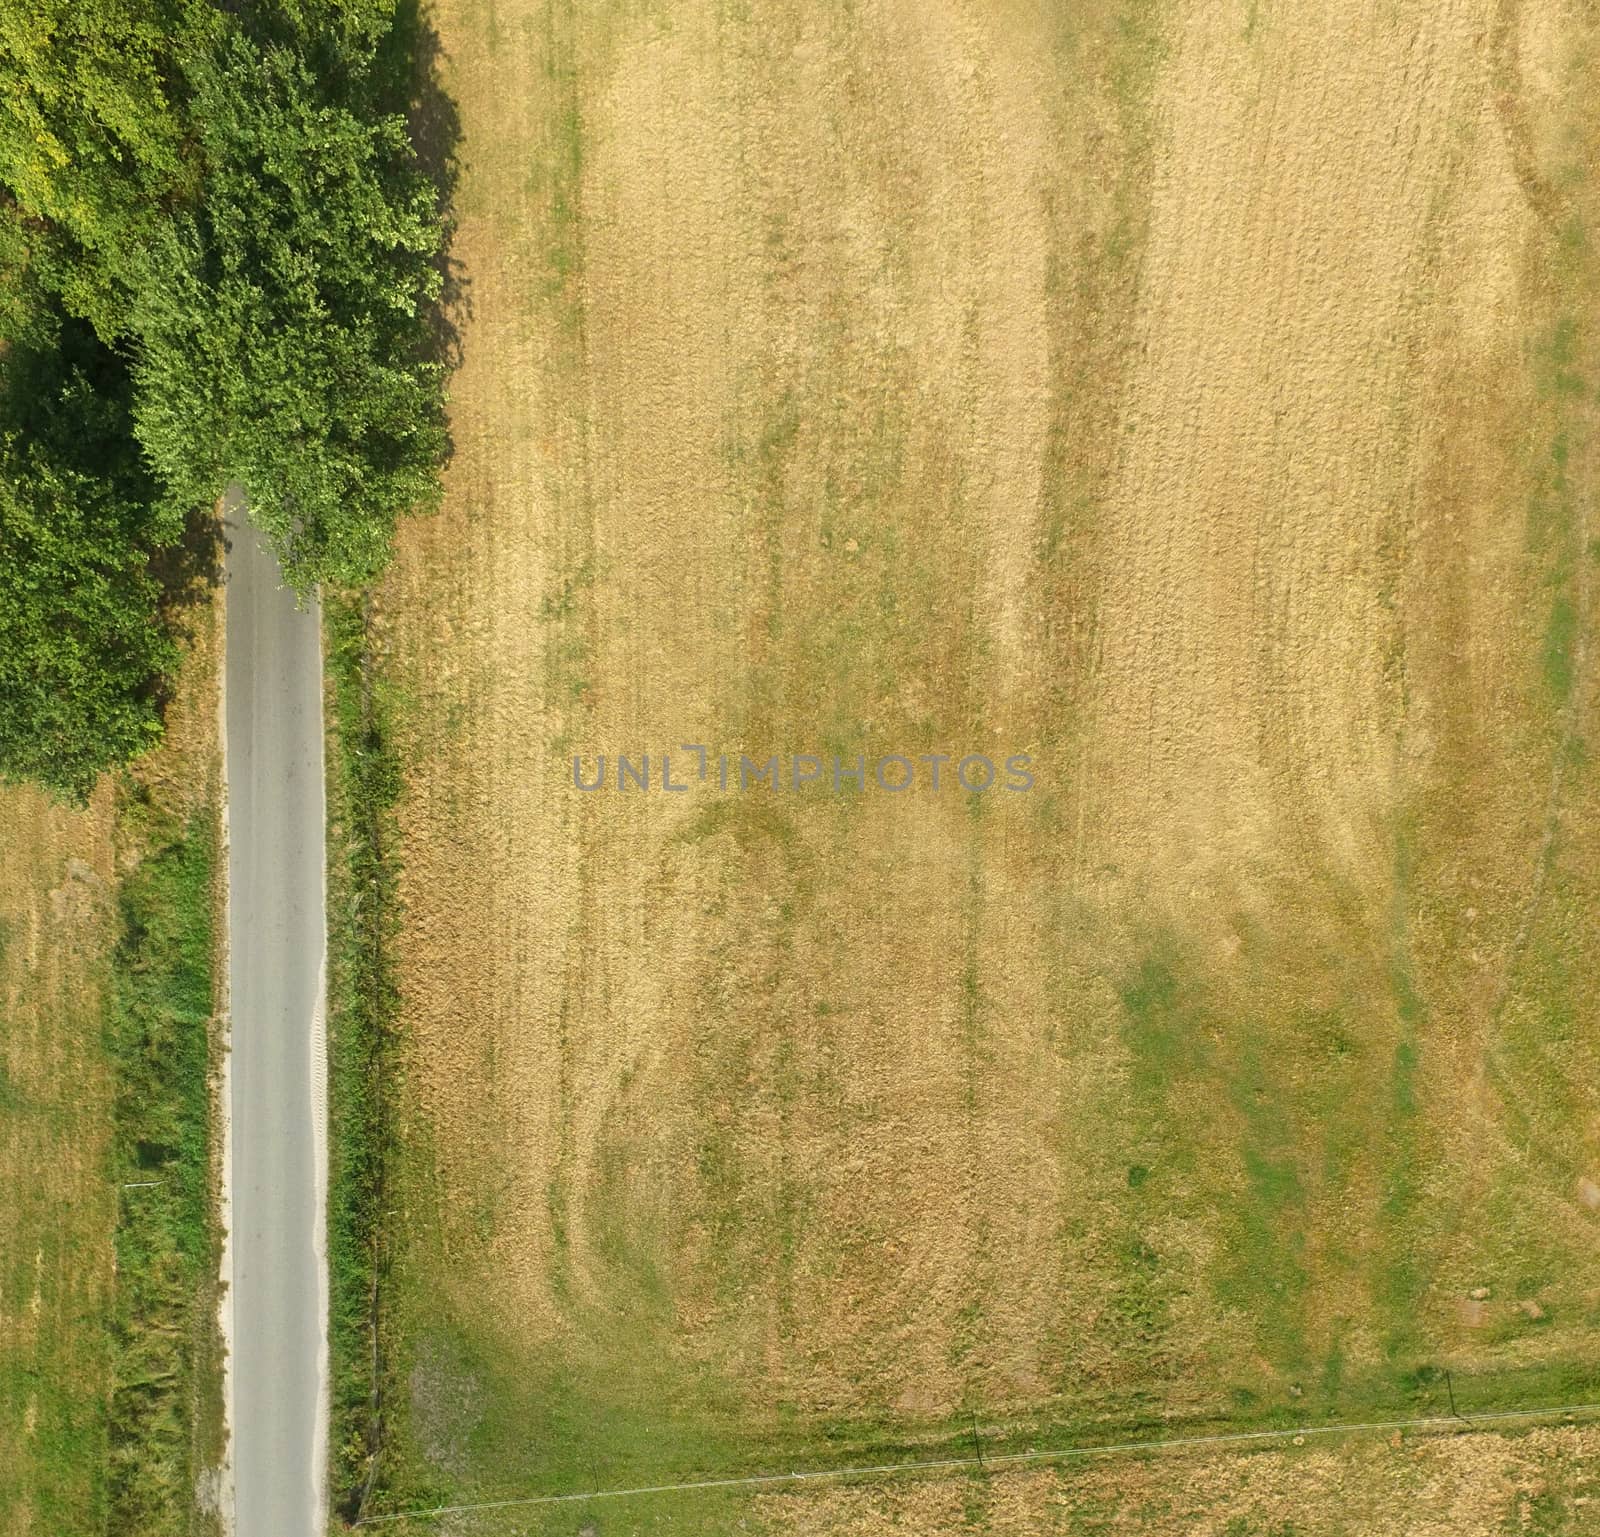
1175, 393
57, 1213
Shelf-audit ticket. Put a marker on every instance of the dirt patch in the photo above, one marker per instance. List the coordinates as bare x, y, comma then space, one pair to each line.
446, 1404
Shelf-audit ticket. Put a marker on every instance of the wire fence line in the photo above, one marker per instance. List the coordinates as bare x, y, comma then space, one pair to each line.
988, 1462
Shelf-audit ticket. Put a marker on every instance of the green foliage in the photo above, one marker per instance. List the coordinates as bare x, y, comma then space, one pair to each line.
27, 308
281, 321
167, 1240
223, 195
364, 1000
93, 137
84, 656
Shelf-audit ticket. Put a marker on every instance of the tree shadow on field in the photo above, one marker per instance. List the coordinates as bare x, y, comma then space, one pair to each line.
189, 571
187, 574
413, 86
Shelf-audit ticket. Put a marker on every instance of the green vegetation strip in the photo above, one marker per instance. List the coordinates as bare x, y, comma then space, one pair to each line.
364, 785
165, 1409
991, 1461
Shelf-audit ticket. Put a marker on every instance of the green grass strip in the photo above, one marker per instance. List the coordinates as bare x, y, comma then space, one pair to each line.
159, 1037
364, 784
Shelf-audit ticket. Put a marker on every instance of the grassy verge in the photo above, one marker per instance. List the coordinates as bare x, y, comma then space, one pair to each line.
362, 912
165, 1405
364, 781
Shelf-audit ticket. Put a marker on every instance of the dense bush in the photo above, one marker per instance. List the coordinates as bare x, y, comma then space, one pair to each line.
93, 139
84, 653
222, 195
280, 322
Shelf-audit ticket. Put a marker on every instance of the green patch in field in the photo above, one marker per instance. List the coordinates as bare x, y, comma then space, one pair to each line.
62, 1480
1161, 1023
1560, 642
1402, 1274
556, 177
612, 1409
1557, 354
1265, 1276
12, 1101
1162, 1031
1541, 1059
1278, 1057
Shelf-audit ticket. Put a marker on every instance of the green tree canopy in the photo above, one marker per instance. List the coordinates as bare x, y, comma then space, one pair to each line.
85, 656
93, 141
220, 193
280, 322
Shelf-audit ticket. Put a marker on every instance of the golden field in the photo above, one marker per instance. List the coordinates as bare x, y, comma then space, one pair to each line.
57, 1214
1196, 398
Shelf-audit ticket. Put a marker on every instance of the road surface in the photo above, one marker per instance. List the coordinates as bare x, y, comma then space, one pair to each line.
277, 945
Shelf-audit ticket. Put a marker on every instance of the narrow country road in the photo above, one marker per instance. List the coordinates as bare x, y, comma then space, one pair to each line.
277, 944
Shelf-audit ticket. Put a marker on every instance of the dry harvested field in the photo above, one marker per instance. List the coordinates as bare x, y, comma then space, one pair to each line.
56, 1207
1198, 398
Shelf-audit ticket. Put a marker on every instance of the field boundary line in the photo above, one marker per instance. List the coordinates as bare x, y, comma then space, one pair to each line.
994, 1460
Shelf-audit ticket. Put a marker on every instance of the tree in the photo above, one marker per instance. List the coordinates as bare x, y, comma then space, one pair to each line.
219, 193
94, 147
85, 656
282, 342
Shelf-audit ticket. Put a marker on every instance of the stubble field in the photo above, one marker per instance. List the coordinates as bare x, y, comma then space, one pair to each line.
1199, 399
56, 1219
